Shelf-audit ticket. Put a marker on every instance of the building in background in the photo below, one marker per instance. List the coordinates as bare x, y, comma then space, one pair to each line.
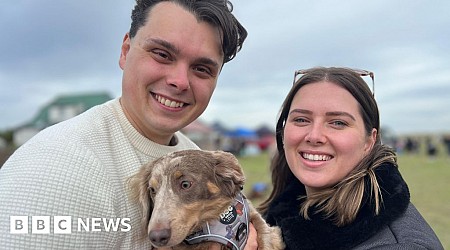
204, 136
239, 141
61, 108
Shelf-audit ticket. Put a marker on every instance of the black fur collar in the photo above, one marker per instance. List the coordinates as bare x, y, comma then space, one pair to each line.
319, 233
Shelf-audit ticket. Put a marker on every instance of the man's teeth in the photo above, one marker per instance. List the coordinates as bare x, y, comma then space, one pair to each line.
169, 103
313, 157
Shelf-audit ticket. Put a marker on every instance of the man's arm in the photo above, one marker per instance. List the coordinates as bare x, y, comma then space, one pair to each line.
56, 179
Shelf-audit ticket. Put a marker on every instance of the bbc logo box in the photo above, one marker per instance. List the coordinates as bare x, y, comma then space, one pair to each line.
40, 224
63, 224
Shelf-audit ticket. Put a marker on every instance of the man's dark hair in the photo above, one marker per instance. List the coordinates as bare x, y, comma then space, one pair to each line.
214, 12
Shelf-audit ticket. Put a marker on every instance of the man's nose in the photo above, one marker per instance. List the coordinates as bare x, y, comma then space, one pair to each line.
179, 77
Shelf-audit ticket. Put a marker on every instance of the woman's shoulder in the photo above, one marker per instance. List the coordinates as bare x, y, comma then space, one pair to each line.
408, 231
411, 227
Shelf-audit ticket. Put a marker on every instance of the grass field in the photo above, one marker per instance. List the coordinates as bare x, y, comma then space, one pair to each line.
428, 181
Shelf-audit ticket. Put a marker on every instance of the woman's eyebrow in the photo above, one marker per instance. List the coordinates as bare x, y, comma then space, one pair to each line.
331, 113
301, 111
340, 113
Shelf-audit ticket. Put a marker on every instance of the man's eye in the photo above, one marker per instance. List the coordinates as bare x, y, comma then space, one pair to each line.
161, 54
203, 70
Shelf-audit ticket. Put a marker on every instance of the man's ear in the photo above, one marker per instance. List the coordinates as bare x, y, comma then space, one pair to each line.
124, 50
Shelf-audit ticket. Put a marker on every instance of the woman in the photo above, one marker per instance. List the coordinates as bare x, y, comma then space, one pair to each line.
335, 186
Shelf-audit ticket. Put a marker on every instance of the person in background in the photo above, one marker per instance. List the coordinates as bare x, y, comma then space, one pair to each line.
432, 150
335, 185
446, 141
171, 59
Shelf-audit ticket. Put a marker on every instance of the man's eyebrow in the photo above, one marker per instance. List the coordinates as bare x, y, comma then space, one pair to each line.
175, 50
340, 113
208, 61
163, 43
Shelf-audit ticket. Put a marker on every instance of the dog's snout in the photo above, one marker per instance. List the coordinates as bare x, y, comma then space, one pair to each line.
160, 237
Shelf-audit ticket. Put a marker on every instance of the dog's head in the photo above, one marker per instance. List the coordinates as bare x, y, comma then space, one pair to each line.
179, 192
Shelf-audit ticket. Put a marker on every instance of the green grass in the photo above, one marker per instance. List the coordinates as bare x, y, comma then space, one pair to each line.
428, 181
429, 185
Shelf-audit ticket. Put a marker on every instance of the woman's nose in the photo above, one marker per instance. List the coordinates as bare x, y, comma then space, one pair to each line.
316, 135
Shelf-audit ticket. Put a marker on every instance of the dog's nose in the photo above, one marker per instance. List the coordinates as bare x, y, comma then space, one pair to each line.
159, 237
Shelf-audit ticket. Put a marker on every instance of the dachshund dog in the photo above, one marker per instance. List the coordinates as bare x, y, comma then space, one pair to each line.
180, 192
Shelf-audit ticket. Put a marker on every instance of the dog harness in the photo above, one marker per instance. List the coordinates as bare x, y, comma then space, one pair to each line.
231, 229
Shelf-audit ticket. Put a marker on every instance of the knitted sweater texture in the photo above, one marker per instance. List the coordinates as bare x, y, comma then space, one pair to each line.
79, 168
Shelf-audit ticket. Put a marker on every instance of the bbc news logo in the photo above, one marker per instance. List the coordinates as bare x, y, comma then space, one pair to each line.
63, 224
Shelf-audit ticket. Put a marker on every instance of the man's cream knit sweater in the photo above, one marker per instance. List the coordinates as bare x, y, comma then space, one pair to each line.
78, 168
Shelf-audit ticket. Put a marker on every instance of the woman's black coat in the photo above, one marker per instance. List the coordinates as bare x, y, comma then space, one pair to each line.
398, 226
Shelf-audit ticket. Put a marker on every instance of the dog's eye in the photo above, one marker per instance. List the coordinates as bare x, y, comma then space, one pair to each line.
186, 184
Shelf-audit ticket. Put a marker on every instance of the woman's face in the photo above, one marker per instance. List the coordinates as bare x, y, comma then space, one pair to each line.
324, 135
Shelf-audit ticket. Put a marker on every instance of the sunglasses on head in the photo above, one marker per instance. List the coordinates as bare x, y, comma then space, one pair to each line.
360, 72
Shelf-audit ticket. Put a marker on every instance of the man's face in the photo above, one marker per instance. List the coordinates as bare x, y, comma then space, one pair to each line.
170, 70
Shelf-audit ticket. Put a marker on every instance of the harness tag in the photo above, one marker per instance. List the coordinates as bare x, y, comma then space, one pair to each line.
230, 229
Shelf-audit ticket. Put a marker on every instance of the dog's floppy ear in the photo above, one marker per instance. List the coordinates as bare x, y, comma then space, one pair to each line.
229, 174
139, 192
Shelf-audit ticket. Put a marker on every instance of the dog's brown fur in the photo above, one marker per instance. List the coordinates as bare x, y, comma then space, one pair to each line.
179, 192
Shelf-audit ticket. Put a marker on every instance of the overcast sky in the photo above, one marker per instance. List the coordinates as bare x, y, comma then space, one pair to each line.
52, 47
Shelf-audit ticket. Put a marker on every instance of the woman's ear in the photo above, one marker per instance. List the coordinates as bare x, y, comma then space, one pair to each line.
371, 139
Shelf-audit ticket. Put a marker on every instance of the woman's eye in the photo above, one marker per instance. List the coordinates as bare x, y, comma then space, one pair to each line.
186, 184
300, 120
339, 123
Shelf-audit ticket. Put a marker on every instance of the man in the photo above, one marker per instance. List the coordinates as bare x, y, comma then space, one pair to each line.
171, 59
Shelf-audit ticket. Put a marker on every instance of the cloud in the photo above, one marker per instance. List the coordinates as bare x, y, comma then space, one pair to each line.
57, 47
52, 47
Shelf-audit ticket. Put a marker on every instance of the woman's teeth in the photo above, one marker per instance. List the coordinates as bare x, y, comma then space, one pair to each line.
314, 157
